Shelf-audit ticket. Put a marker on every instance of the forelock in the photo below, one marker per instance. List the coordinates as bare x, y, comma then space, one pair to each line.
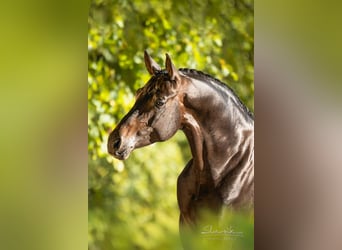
155, 84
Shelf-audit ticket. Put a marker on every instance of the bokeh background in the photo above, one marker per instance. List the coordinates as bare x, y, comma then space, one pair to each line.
43, 128
132, 203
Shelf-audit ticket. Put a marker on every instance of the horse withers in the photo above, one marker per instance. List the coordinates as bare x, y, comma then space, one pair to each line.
218, 127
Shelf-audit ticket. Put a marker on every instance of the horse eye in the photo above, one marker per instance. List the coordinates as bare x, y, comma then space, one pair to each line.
159, 103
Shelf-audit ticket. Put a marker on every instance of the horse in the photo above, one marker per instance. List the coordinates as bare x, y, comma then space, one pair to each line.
217, 125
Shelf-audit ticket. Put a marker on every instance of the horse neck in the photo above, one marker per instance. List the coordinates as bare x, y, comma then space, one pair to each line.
216, 127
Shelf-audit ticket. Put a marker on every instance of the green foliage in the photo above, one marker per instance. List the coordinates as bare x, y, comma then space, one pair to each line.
132, 204
233, 231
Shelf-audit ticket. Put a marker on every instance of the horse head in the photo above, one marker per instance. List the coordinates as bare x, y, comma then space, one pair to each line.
156, 114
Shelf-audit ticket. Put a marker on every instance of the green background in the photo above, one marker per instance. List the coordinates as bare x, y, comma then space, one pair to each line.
132, 203
43, 127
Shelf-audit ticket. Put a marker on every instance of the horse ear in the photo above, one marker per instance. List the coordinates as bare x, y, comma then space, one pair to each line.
171, 69
151, 66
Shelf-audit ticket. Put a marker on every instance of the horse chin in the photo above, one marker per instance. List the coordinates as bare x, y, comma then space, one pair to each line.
123, 155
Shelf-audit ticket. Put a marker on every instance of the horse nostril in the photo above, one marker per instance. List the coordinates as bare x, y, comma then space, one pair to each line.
117, 143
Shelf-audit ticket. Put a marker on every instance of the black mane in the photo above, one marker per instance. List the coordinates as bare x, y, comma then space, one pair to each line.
199, 75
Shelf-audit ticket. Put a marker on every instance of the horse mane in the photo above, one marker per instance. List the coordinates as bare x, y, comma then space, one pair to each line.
199, 75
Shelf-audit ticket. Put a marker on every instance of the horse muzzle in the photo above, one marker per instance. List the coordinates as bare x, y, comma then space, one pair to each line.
118, 147
121, 154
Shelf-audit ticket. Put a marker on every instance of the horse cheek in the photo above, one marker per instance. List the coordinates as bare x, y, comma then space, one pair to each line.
170, 125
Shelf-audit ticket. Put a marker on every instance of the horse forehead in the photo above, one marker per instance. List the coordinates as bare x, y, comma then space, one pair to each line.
156, 84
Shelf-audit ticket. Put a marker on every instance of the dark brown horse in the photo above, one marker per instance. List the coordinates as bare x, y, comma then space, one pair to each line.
219, 128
